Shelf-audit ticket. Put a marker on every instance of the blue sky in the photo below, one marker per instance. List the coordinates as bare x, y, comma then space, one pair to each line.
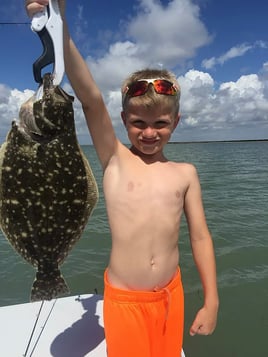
218, 51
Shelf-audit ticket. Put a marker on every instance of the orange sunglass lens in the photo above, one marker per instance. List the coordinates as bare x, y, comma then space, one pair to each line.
138, 88
164, 87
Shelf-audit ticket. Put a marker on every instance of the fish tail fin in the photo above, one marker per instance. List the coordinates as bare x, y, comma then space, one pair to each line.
47, 286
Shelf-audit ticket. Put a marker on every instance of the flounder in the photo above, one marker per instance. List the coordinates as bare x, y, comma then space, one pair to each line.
47, 188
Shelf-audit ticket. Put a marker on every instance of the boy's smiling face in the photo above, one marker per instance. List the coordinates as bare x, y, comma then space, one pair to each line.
149, 130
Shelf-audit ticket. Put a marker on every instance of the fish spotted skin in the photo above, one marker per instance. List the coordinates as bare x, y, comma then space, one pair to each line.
47, 188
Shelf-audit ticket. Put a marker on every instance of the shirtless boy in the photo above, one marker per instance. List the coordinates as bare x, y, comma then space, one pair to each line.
145, 195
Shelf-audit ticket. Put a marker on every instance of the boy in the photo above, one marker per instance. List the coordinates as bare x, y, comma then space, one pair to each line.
145, 197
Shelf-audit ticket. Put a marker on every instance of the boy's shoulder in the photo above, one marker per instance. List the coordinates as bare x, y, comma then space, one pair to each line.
186, 170
185, 166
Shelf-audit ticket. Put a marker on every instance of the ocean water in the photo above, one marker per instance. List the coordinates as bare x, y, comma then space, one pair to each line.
234, 180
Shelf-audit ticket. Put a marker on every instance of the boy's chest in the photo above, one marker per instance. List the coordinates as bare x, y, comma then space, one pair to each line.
146, 185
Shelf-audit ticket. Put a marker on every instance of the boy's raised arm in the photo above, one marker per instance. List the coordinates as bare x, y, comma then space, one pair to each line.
88, 93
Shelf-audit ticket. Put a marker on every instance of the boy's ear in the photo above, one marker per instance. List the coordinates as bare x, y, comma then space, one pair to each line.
176, 121
123, 116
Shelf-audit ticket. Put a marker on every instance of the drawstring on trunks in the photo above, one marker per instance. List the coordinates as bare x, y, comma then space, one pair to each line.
168, 301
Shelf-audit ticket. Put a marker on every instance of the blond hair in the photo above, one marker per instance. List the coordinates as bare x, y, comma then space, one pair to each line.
151, 99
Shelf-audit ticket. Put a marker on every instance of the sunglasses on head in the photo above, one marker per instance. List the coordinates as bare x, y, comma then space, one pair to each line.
140, 87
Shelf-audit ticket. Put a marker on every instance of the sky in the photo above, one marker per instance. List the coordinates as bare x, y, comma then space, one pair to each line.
218, 51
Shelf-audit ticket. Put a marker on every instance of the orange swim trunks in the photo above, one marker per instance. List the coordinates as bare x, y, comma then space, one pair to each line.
144, 324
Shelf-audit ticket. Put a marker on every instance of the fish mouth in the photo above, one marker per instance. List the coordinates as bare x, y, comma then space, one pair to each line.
27, 124
43, 120
38, 120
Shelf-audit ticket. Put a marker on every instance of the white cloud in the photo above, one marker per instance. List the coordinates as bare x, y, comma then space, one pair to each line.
10, 102
197, 88
209, 63
233, 52
236, 51
110, 70
232, 106
169, 35
207, 112
246, 87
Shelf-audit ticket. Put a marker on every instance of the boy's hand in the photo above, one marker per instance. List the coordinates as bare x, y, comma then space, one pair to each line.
34, 6
205, 322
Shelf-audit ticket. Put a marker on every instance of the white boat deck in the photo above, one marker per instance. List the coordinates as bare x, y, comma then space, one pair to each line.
66, 327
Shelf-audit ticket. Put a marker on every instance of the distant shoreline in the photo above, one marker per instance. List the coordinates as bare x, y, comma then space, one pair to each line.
195, 142
217, 141
204, 142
